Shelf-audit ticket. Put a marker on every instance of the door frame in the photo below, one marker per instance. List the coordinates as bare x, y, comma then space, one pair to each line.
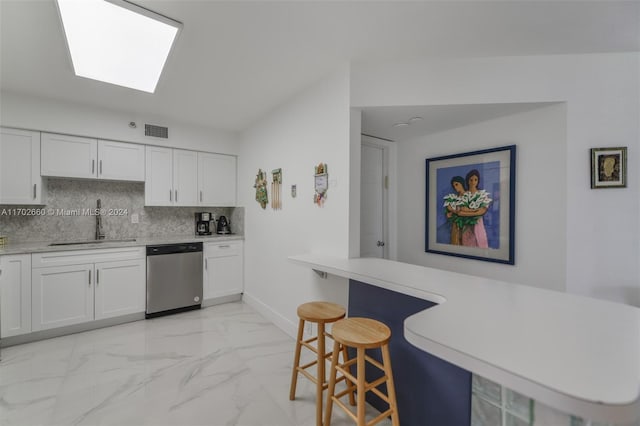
389, 197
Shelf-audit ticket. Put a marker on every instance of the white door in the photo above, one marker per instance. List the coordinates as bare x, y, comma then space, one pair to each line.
62, 295
372, 202
216, 179
20, 181
69, 156
185, 177
120, 288
15, 295
120, 161
158, 184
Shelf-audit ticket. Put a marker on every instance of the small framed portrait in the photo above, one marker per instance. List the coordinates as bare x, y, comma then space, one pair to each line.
609, 167
470, 205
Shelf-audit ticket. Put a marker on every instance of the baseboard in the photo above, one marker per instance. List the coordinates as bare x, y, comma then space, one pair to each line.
278, 319
220, 300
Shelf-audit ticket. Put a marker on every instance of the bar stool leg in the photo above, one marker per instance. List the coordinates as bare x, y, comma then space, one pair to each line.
333, 372
391, 390
361, 387
321, 374
349, 383
296, 361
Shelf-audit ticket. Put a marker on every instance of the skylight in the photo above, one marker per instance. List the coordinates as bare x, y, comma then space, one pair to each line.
117, 42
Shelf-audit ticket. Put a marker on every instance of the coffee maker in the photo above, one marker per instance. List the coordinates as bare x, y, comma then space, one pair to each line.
223, 226
203, 223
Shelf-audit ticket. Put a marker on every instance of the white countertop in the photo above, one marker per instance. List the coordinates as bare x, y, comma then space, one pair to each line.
44, 246
573, 353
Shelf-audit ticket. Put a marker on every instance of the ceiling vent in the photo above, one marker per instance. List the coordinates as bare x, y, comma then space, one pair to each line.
156, 131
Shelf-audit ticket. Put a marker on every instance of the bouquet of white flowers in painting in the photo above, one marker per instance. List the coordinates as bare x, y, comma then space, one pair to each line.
469, 201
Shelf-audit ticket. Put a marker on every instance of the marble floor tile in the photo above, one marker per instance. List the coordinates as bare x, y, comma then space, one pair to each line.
223, 365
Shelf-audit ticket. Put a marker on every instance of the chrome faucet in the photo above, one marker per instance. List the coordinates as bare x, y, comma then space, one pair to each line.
99, 231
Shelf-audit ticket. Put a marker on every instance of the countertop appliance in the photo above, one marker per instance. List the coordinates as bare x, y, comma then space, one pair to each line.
223, 226
174, 278
203, 223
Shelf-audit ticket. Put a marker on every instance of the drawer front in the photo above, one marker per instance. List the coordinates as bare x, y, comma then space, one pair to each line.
77, 257
227, 248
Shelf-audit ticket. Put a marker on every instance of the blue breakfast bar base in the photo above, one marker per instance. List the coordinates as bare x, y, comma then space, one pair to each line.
429, 391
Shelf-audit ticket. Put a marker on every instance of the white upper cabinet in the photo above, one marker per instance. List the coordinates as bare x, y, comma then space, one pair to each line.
78, 157
158, 183
69, 156
185, 177
120, 161
216, 180
20, 181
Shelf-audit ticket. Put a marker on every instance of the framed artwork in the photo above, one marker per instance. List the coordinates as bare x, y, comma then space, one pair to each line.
609, 167
470, 205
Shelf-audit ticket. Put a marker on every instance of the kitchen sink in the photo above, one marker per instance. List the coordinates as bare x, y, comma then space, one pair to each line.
72, 243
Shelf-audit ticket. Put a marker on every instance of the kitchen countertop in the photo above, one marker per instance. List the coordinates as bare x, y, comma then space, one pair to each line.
44, 246
576, 354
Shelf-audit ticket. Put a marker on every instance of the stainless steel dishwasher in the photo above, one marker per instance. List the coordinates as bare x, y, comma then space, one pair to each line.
174, 278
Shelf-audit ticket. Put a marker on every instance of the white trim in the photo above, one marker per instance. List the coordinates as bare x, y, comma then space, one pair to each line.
266, 311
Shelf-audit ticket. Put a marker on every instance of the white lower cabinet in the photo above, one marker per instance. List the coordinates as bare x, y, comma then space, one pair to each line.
74, 287
114, 294
223, 269
15, 295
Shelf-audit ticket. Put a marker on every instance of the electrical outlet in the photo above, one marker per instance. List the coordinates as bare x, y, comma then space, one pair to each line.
135, 218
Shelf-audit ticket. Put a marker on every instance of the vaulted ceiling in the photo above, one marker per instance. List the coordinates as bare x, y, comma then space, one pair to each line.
235, 60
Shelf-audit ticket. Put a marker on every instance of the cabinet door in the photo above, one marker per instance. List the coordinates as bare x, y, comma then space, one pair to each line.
158, 184
69, 156
120, 288
120, 161
223, 269
185, 177
15, 294
20, 181
216, 180
62, 295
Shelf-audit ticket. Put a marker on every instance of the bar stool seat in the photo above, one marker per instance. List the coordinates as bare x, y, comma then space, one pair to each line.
361, 334
320, 313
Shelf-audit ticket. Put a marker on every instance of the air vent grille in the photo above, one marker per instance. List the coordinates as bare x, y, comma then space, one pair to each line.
156, 131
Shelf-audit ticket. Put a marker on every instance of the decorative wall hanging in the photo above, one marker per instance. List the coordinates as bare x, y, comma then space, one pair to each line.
276, 189
321, 184
609, 167
470, 205
261, 189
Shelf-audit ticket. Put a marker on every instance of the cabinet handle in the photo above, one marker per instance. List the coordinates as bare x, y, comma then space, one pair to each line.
100, 166
176, 195
89, 278
93, 166
200, 196
206, 264
34, 190
225, 246
97, 276
170, 195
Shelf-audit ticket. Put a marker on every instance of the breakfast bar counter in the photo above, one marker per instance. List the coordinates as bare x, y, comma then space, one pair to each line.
576, 354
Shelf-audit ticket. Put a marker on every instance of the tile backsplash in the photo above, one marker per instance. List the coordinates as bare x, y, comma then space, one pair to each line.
66, 218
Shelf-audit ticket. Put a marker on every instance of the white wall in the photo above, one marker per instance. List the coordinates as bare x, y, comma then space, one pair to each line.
540, 136
312, 128
28, 112
601, 93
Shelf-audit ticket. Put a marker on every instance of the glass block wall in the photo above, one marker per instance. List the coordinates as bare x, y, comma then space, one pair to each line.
495, 405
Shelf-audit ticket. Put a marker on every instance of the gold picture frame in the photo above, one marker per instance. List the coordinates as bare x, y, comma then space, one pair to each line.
609, 167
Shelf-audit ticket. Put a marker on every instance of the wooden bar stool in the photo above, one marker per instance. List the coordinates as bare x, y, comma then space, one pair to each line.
320, 313
361, 334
